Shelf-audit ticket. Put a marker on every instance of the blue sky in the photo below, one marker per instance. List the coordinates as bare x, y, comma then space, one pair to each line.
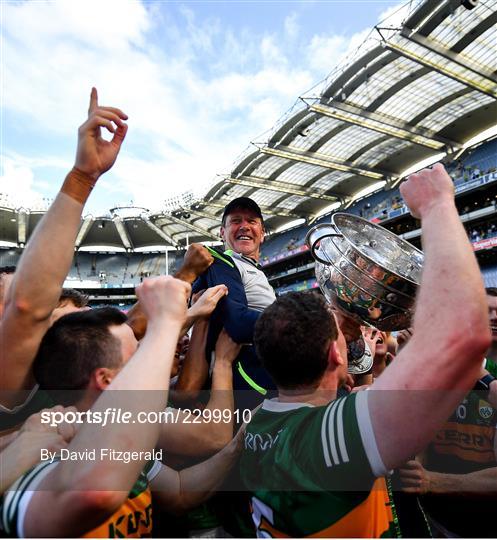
199, 81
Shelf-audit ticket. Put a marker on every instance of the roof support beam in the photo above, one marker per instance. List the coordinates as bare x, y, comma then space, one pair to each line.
118, 222
480, 86
324, 161
280, 187
83, 230
375, 122
201, 214
206, 215
159, 231
22, 226
278, 212
433, 46
196, 228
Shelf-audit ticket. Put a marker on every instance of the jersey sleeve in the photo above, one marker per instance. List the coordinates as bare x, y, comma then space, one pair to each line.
16, 500
343, 454
152, 469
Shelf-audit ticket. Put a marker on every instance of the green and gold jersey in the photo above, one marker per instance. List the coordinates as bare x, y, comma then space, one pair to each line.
133, 519
466, 443
312, 471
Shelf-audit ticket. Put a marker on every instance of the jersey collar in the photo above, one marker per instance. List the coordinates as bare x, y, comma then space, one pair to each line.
232, 253
273, 405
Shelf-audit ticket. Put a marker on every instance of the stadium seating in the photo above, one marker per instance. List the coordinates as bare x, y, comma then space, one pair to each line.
9, 257
129, 269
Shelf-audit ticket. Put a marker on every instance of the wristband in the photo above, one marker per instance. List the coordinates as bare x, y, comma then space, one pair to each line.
78, 185
483, 384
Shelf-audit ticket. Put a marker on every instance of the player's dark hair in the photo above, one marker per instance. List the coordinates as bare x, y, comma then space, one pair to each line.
74, 347
78, 298
292, 339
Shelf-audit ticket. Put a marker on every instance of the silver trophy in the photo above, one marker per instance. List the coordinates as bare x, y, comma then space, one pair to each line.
367, 272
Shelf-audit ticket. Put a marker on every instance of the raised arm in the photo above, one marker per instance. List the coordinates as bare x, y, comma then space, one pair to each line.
195, 368
214, 428
103, 484
47, 258
441, 362
178, 492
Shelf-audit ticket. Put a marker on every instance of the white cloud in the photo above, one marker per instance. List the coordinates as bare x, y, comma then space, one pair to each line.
16, 181
325, 51
196, 91
291, 25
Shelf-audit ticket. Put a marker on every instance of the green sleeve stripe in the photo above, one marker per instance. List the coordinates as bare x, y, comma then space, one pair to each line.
217, 255
250, 381
14, 495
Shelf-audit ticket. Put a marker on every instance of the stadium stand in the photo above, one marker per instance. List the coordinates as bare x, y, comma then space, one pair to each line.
371, 121
284, 255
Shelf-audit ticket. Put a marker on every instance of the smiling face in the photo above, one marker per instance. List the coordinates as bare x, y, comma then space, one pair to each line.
381, 344
243, 232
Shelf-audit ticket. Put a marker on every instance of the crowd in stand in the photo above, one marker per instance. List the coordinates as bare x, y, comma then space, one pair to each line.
483, 231
461, 173
215, 409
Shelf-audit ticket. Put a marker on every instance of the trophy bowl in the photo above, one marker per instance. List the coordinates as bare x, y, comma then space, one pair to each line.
366, 271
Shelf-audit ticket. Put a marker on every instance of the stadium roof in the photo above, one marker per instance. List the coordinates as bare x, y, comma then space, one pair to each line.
414, 90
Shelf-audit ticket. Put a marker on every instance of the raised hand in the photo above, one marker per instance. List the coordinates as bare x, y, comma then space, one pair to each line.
371, 337
197, 260
64, 430
95, 155
205, 302
226, 349
163, 299
34, 437
427, 188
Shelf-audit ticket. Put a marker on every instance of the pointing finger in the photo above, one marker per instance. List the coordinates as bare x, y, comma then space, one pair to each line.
93, 100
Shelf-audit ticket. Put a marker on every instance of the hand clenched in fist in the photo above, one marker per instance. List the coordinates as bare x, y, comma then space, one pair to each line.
164, 299
427, 189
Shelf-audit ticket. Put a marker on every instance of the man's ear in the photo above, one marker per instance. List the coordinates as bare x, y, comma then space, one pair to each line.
101, 378
335, 359
222, 233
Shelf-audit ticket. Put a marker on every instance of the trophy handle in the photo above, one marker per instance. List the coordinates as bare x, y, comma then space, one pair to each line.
318, 233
